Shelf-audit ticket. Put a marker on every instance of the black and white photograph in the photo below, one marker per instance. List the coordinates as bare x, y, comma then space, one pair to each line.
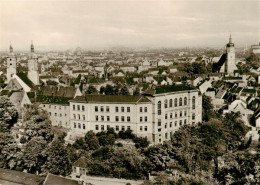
129, 92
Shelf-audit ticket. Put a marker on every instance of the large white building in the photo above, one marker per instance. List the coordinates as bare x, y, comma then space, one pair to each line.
156, 115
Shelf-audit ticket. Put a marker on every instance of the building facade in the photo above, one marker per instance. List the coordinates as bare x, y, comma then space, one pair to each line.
155, 115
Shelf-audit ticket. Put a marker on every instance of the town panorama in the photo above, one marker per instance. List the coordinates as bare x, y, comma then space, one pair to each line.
130, 115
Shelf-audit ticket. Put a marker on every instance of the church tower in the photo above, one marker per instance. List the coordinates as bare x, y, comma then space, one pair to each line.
230, 65
11, 64
33, 73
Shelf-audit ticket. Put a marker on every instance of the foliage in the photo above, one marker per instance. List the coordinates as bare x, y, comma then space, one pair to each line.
52, 82
124, 91
77, 80
207, 108
91, 90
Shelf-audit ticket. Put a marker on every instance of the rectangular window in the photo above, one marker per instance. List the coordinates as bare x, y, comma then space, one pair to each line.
185, 113
117, 119
73, 107
84, 117
60, 107
128, 109
159, 129
171, 115
79, 125
145, 109
84, 126
176, 115
128, 128
128, 118
107, 108
193, 116
102, 109
117, 128
75, 125
60, 115
180, 122
170, 124
74, 115
166, 116
78, 107
96, 108
176, 124
102, 118
102, 127
165, 125
122, 109
122, 118
83, 108
123, 128
108, 118
166, 135
180, 113
145, 128
108, 127
141, 128
159, 123
145, 118
96, 127
50, 113
96, 118
141, 109
116, 109
78, 116
141, 119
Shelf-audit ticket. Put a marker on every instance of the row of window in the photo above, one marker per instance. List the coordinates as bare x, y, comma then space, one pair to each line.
78, 107
181, 113
79, 117
56, 114
55, 107
176, 122
102, 109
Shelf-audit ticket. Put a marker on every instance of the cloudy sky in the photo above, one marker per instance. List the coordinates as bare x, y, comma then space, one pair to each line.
60, 24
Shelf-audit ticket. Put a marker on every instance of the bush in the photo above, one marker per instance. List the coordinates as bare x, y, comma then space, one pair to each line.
23, 140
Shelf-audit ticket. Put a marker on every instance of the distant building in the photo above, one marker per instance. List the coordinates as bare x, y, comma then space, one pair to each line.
255, 49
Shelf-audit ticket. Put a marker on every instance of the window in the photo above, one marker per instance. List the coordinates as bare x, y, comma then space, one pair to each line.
145, 109
74, 115
102, 109
122, 118
128, 118
84, 117
55, 114
166, 135
170, 104
176, 114
159, 129
107, 108
185, 100
180, 102
96, 118
65, 114
141, 128
145, 118
108, 127
75, 125
180, 122
185, 121
83, 108
128, 109
170, 124
79, 125
175, 102
108, 118
102, 127
60, 115
170, 115
117, 128
193, 102
193, 116
96, 127
84, 126
141, 119
50, 113
165, 125
145, 128
122, 109
102, 118
141, 109
78, 107
128, 128
117, 119
180, 113
176, 123
165, 103
116, 109
166, 116
159, 107
159, 122
78, 116
123, 128
96, 108
185, 113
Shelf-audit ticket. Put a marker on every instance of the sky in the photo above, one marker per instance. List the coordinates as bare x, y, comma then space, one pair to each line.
93, 24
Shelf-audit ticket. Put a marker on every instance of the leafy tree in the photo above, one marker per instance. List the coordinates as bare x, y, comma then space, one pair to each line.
207, 108
102, 90
141, 142
109, 90
124, 91
91, 90
136, 91
8, 114
91, 140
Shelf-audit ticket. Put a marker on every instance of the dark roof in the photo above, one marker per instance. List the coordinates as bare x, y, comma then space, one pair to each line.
217, 66
53, 179
111, 98
81, 162
67, 92
168, 89
20, 177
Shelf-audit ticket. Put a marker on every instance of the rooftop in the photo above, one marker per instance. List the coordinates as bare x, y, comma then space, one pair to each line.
168, 89
53, 179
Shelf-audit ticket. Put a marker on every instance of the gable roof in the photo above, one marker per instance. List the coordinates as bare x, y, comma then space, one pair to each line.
81, 162
53, 179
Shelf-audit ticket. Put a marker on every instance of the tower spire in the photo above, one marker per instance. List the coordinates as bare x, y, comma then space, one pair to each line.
230, 38
32, 47
11, 47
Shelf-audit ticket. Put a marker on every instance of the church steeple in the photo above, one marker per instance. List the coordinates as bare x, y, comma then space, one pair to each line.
32, 47
230, 39
11, 48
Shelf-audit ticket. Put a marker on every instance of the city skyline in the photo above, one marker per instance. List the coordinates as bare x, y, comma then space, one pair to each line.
61, 25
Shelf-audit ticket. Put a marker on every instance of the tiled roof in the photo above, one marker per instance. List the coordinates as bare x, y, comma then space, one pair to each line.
81, 162
111, 98
67, 92
53, 179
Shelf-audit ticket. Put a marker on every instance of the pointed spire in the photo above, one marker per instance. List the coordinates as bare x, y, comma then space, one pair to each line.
11, 47
230, 38
32, 47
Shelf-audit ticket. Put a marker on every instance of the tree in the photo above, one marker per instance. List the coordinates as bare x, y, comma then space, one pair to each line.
52, 82
91, 90
137, 91
91, 140
109, 90
207, 108
102, 90
57, 161
124, 91
8, 114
